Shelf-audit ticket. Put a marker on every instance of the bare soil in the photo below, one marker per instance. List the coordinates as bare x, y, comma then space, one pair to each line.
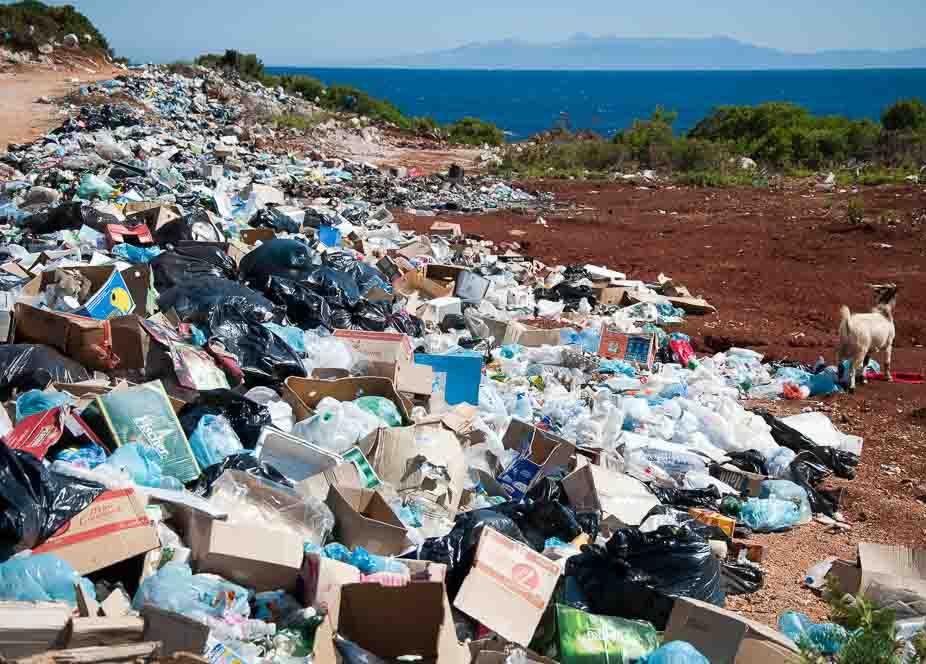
777, 264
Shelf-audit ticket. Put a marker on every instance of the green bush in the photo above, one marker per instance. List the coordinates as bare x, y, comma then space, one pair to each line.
905, 115
650, 141
473, 131
50, 23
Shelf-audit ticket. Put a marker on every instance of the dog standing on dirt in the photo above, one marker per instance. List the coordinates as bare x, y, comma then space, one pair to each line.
862, 334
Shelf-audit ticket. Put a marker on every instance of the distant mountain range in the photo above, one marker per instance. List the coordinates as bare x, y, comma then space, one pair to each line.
586, 52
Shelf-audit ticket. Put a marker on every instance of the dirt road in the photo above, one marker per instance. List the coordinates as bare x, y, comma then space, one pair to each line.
22, 118
778, 265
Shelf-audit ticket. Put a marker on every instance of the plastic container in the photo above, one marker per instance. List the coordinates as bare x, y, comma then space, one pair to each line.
337, 426
769, 514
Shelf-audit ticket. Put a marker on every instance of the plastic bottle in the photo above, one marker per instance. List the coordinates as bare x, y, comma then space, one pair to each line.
522, 409
816, 575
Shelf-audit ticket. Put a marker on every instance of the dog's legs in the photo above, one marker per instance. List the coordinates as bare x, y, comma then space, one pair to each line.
865, 367
888, 357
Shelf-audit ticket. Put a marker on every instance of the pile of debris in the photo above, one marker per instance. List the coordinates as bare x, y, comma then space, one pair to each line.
249, 418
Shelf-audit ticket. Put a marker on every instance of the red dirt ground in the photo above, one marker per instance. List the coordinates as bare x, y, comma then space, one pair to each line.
777, 264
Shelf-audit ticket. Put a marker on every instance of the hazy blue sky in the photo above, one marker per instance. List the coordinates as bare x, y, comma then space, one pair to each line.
304, 32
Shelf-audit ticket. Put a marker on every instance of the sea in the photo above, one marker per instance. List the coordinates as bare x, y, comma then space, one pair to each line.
523, 103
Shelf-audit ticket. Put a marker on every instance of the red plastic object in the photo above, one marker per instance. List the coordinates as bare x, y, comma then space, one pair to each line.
137, 235
908, 378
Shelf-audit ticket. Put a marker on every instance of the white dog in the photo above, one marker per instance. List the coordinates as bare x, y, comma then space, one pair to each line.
862, 334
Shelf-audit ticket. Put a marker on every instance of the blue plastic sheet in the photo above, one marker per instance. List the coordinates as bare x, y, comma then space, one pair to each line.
41, 578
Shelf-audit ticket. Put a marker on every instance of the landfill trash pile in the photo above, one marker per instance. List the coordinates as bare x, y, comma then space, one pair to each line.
249, 418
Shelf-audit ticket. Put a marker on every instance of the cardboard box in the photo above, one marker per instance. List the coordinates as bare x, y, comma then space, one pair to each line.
31, 628
523, 333
725, 637
390, 355
113, 528
252, 236
611, 296
508, 587
136, 235
111, 296
364, 518
894, 577
741, 480
446, 229
623, 500
410, 620
176, 632
436, 310
711, 518
86, 340
7, 303
303, 394
37, 433
463, 375
322, 579
471, 287
636, 348
540, 452
153, 215
414, 282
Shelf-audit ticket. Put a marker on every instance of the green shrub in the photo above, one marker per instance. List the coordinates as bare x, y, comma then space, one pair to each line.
473, 131
905, 115
301, 122
650, 141
49, 23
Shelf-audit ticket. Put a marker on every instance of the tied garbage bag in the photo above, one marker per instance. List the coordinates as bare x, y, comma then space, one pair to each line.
93, 186
586, 638
675, 652
175, 588
304, 307
37, 401
382, 408
768, 515
246, 462
785, 490
36, 502
191, 262
270, 218
808, 474
68, 216
741, 578
28, 366
246, 416
197, 226
41, 578
290, 259
214, 440
143, 464
339, 288
708, 497
196, 300
825, 638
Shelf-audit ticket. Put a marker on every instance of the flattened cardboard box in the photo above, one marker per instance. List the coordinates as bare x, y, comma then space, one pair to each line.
624, 500
113, 528
892, 576
725, 637
31, 628
508, 587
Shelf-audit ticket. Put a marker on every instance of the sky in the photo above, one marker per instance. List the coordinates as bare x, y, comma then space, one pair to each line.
313, 32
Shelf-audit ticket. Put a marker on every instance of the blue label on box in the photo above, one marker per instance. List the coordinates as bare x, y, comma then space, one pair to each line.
519, 476
113, 299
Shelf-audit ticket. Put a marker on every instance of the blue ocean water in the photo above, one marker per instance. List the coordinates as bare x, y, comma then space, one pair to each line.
525, 102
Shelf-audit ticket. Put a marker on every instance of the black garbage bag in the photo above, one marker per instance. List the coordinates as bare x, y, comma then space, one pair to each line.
367, 276
304, 307
197, 226
190, 263
807, 473
248, 463
270, 218
740, 578
371, 316
341, 319
68, 216
540, 520
30, 366
452, 322
351, 653
262, 355
750, 461
246, 417
841, 462
405, 323
457, 549
604, 586
708, 497
196, 300
36, 502
291, 259
338, 287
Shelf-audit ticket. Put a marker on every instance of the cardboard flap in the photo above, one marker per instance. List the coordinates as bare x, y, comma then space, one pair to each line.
364, 518
303, 394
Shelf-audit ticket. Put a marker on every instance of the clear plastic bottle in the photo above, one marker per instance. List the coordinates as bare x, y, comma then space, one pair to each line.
522, 408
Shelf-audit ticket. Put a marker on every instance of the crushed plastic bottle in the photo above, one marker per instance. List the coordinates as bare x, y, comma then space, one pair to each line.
825, 638
337, 426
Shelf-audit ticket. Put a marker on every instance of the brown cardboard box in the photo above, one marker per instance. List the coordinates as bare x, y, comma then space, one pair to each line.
725, 637
544, 453
446, 229
393, 622
390, 355
86, 340
623, 500
741, 480
176, 632
303, 394
252, 236
322, 579
414, 282
521, 332
609, 295
894, 577
89, 632
113, 528
364, 518
508, 587
298, 459
30, 628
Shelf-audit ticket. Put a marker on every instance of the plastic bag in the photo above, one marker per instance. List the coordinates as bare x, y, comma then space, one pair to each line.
825, 638
86, 456
675, 652
68, 216
366, 562
779, 463
351, 653
36, 502
269, 218
260, 354
842, 462
41, 578
214, 440
337, 426
586, 638
807, 473
30, 366
246, 416
38, 401
382, 408
281, 413
785, 490
142, 463
195, 300
191, 262
197, 226
175, 588
740, 578
340, 289
304, 307
769, 514
290, 259
93, 186
136, 255
708, 497
246, 463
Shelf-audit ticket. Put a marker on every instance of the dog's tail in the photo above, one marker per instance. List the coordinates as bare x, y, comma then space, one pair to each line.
844, 317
